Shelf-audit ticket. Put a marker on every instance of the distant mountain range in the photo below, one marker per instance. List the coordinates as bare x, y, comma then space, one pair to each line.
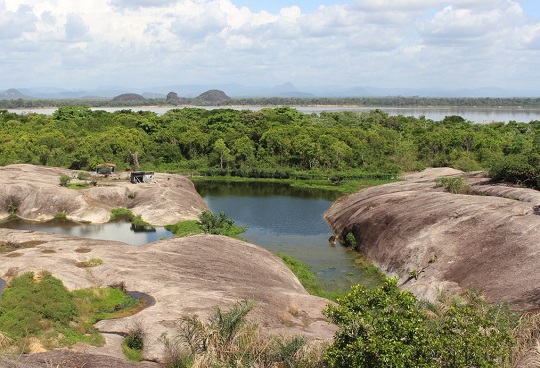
238, 91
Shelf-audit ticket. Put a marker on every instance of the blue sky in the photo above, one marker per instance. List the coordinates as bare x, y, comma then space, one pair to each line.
428, 44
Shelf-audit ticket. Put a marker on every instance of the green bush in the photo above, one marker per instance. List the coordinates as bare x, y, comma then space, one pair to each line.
387, 327
350, 240
516, 169
64, 180
121, 214
210, 223
60, 216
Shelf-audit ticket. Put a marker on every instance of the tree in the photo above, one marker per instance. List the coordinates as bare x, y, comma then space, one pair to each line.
64, 180
224, 152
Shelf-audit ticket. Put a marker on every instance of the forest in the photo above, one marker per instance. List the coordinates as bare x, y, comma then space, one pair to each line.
272, 142
389, 101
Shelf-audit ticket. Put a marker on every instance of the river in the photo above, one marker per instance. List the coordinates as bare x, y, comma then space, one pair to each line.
475, 114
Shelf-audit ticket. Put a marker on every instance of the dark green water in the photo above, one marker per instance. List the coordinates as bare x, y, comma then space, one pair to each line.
290, 221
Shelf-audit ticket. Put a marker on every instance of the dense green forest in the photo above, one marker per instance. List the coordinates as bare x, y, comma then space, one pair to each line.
390, 101
273, 142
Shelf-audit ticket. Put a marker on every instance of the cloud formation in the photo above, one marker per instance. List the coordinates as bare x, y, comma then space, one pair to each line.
386, 43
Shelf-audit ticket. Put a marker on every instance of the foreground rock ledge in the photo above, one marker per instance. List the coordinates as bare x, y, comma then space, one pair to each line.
186, 276
488, 241
37, 195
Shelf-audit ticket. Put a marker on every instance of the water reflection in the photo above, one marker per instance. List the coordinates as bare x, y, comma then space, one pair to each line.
118, 231
289, 220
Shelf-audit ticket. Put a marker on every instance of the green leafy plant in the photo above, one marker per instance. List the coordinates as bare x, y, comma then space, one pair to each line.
229, 339
210, 223
350, 240
64, 180
387, 327
120, 213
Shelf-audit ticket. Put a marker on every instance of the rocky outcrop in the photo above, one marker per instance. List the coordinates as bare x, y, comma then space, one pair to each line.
34, 193
489, 240
186, 276
129, 97
213, 96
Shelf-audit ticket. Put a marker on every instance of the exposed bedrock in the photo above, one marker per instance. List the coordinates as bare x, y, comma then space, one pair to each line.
186, 276
34, 193
489, 240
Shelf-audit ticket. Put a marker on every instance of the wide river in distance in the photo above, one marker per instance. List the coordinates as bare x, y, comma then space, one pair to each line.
475, 114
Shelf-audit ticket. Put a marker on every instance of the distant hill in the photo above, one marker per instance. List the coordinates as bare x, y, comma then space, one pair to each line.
129, 97
11, 94
213, 96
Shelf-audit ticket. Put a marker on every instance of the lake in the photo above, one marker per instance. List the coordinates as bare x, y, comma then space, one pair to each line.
117, 231
474, 114
290, 221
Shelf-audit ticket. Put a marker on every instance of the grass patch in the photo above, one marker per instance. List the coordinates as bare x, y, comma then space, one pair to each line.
39, 307
133, 355
83, 250
208, 223
78, 186
308, 279
185, 228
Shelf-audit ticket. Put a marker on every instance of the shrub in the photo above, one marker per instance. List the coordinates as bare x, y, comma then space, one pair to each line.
60, 216
454, 185
387, 327
64, 180
121, 214
210, 223
350, 240
93, 262
229, 339
135, 336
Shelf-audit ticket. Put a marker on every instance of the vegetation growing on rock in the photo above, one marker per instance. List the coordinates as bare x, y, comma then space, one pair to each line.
39, 307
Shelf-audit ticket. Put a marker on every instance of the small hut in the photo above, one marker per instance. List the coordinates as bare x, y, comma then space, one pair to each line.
142, 177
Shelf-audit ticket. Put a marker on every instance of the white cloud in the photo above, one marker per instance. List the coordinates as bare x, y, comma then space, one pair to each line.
375, 42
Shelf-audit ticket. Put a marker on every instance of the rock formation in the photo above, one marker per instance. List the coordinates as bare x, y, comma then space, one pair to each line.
129, 97
186, 276
34, 193
433, 239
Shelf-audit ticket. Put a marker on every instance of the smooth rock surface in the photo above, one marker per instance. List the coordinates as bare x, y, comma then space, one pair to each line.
186, 276
36, 194
488, 241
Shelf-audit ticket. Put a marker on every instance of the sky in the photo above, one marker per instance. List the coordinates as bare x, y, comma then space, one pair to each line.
85, 44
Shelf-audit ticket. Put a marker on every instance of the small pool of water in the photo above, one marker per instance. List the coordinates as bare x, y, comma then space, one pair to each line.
118, 231
290, 221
